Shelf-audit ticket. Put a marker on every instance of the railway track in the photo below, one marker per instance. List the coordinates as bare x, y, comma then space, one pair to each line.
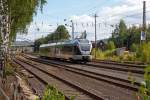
113, 78
137, 65
119, 67
122, 67
123, 83
69, 88
36, 84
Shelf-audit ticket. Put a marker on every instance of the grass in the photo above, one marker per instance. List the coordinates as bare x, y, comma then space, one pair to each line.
144, 89
110, 55
103, 55
52, 93
9, 69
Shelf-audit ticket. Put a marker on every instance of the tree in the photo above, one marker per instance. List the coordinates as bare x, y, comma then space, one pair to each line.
122, 33
111, 45
119, 36
148, 33
16, 15
37, 43
61, 33
122, 28
21, 14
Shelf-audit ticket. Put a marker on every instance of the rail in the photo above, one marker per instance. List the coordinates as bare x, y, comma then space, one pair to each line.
112, 80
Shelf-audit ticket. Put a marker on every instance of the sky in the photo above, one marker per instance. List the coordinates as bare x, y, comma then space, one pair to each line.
109, 13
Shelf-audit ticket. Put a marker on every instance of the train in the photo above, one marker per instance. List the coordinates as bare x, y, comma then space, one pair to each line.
73, 50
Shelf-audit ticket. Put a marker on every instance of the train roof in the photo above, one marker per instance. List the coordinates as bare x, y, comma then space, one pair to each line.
68, 42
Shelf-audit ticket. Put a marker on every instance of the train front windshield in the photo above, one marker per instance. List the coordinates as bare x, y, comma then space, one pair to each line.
85, 47
84, 41
84, 44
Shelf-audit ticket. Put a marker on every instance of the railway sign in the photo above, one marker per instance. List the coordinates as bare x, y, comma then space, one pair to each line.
143, 35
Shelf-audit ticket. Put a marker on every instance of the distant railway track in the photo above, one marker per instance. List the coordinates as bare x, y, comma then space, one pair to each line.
113, 79
125, 63
119, 67
131, 64
44, 76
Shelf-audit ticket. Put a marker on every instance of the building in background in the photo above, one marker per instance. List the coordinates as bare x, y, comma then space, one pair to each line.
22, 47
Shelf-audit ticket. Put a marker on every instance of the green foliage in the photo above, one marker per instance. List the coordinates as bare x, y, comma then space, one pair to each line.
130, 38
119, 36
144, 89
103, 55
60, 34
9, 70
125, 37
21, 13
135, 33
51, 93
122, 28
37, 43
144, 52
134, 47
99, 54
111, 45
127, 56
131, 78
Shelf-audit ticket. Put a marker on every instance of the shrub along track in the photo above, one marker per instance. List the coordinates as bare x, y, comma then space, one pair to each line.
109, 86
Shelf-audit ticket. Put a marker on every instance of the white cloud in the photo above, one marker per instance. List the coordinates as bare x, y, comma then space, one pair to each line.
129, 10
82, 18
37, 30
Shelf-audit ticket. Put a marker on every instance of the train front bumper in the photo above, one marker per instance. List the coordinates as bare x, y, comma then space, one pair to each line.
83, 57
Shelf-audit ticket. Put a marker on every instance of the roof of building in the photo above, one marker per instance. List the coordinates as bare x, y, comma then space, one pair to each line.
22, 43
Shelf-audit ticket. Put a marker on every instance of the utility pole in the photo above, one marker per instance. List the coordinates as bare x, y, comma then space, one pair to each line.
143, 33
72, 29
95, 16
144, 16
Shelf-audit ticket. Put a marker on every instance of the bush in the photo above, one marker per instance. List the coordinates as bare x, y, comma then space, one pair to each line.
144, 52
51, 93
128, 56
134, 47
99, 54
144, 89
111, 45
9, 70
103, 55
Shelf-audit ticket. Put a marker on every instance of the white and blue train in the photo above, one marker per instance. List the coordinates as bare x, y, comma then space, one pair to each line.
74, 50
